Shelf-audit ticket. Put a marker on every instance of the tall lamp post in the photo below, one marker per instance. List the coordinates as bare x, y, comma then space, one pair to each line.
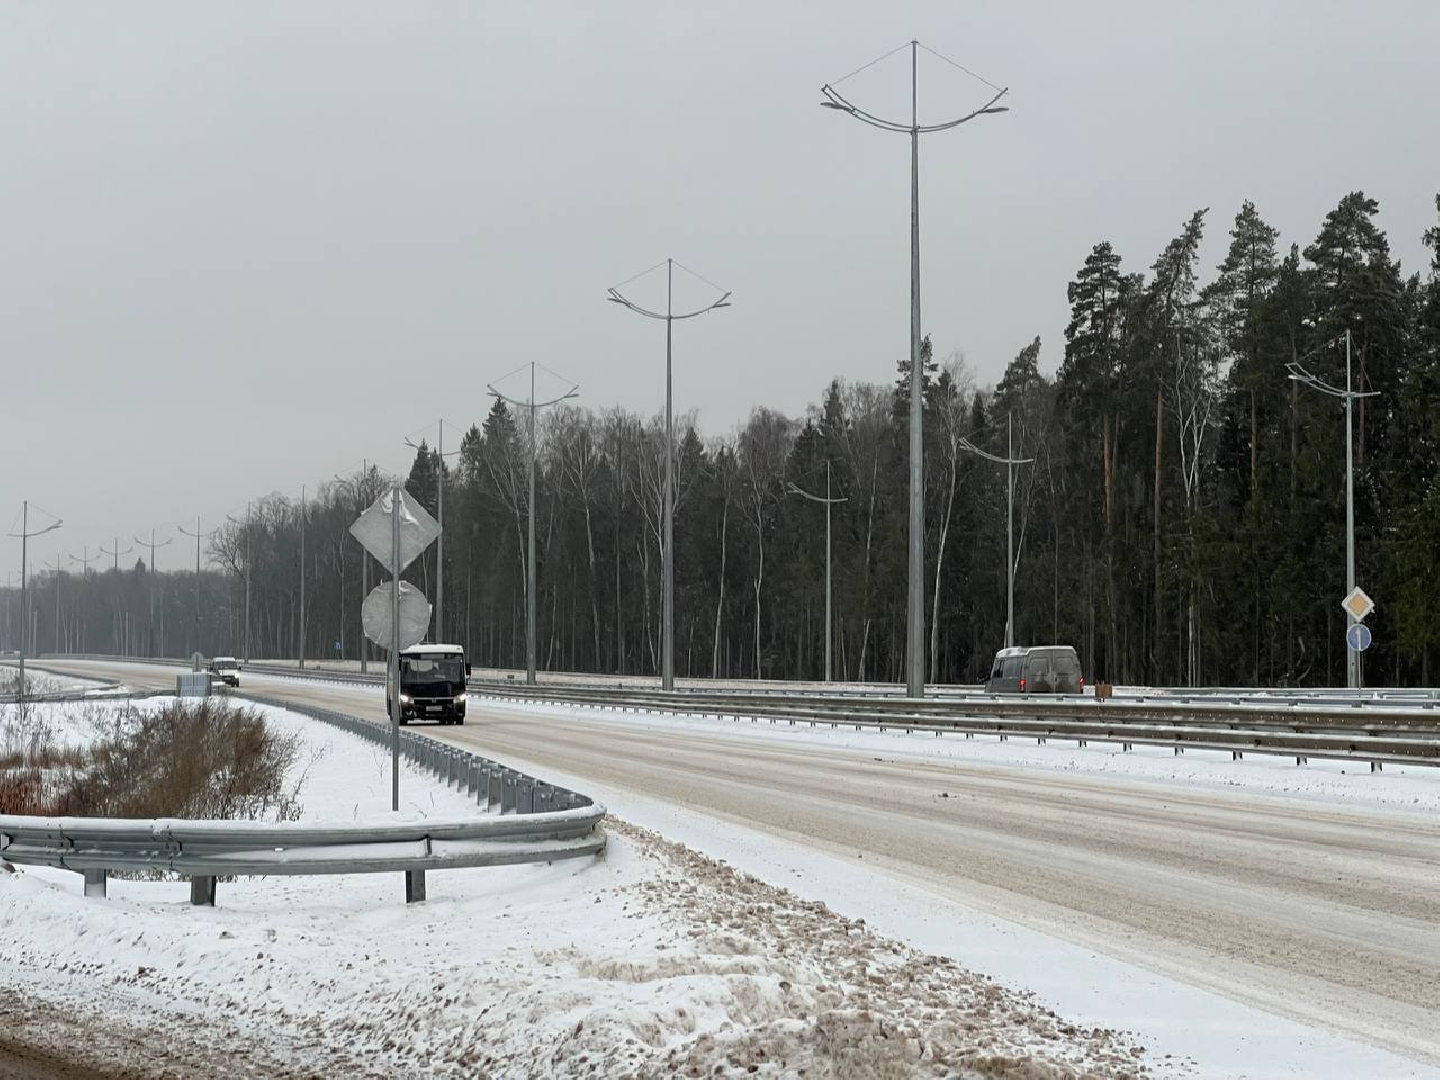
915, 601
25, 536
84, 560
119, 639
246, 526
829, 501
667, 606
54, 566
198, 535
530, 404
440, 457
1009, 461
1298, 373
150, 618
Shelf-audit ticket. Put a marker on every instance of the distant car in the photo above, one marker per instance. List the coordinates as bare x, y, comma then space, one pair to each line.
1036, 669
226, 669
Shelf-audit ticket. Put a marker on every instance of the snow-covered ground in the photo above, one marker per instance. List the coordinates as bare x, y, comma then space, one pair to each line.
1216, 1035
651, 961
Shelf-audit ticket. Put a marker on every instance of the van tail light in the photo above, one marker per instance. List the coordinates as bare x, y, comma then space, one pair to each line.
1082, 682
1022, 686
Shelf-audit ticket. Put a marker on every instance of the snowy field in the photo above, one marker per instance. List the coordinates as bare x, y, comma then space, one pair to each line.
651, 961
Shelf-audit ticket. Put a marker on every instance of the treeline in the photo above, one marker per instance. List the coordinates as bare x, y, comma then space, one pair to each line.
1182, 522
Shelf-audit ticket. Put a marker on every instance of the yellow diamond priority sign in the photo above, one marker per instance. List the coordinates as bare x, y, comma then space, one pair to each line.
1358, 604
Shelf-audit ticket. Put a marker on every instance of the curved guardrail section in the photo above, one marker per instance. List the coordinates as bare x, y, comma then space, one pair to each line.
531, 821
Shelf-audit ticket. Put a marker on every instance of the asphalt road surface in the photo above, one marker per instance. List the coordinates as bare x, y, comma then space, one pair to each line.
1327, 915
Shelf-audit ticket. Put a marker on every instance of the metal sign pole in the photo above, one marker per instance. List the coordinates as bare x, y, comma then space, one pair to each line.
395, 648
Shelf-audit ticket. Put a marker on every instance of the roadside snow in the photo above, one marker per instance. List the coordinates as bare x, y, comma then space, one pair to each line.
651, 961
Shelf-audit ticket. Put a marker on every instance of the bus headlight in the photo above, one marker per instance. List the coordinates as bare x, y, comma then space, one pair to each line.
405, 699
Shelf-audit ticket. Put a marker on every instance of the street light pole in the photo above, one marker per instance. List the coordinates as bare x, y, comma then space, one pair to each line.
119, 638
440, 456
84, 560
303, 515
915, 596
829, 591
531, 405
1299, 373
667, 555
246, 526
150, 618
1352, 656
1009, 461
24, 536
198, 535
54, 566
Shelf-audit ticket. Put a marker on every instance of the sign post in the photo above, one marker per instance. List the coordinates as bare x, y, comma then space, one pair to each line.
1357, 635
395, 529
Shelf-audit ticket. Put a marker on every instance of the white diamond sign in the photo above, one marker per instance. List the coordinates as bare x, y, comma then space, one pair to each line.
414, 615
375, 531
1358, 604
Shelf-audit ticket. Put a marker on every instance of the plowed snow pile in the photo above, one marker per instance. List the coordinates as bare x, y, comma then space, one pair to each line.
653, 961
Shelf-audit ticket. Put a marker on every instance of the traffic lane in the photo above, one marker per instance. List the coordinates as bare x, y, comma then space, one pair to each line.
1330, 916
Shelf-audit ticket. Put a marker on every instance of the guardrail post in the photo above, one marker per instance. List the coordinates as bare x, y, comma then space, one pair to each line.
202, 891
414, 886
493, 787
507, 793
95, 883
1376, 766
525, 796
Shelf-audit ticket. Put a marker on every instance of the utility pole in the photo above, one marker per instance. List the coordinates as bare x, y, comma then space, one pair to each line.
829, 591
198, 535
915, 596
667, 554
150, 616
24, 536
531, 405
440, 456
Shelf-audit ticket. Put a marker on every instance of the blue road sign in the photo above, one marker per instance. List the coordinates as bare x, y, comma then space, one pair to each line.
337, 646
1358, 637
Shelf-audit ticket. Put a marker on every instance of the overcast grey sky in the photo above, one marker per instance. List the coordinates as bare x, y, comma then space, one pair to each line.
247, 244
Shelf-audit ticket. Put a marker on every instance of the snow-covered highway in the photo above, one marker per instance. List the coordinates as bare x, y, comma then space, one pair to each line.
1319, 906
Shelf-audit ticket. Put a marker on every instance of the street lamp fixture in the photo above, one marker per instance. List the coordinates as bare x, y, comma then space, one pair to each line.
915, 599
667, 607
530, 404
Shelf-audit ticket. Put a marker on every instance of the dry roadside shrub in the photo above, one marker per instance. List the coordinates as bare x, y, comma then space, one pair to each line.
201, 760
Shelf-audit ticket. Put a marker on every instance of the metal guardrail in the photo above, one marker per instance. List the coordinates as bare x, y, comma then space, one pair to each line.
1392, 737
532, 821
1371, 729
